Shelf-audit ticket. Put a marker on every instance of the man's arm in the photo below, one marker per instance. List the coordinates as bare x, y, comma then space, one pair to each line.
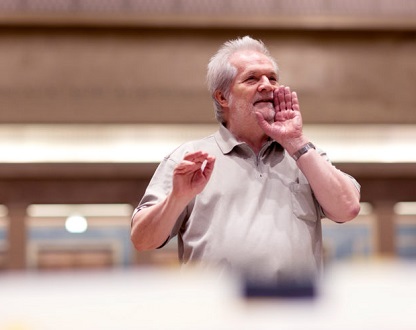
151, 226
334, 191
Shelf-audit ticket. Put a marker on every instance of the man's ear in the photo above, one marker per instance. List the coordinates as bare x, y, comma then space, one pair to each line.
220, 98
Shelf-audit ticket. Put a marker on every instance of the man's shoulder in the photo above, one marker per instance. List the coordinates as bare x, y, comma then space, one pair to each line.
205, 144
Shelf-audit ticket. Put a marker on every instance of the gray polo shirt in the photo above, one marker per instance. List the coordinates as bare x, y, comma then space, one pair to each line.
256, 215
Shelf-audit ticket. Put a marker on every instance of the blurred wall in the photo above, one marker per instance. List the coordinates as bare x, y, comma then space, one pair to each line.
138, 75
135, 61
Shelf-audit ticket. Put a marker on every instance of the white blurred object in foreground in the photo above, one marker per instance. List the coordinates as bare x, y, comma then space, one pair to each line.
371, 296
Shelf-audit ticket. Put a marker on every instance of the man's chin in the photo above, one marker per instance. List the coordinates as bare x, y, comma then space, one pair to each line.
267, 111
268, 115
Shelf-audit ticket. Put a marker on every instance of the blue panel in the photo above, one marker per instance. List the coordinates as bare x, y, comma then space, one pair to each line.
347, 241
121, 235
406, 240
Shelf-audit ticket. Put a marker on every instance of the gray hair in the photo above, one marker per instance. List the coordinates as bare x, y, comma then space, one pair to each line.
221, 73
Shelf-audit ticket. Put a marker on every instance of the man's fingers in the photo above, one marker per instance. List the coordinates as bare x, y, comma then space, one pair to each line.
281, 99
209, 166
276, 101
285, 99
196, 157
193, 156
288, 98
194, 161
295, 102
187, 167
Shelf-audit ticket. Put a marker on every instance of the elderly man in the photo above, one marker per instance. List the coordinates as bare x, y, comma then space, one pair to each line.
249, 198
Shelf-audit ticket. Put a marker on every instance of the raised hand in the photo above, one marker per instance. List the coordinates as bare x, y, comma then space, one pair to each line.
192, 174
287, 125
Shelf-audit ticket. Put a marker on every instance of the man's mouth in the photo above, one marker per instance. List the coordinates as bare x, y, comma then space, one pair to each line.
264, 101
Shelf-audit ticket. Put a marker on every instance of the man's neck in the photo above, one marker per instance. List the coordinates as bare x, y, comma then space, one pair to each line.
253, 137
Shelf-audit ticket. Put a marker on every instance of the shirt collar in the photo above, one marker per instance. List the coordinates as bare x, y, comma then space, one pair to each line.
226, 140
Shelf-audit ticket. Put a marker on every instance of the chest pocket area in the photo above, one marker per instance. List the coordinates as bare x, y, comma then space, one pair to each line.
303, 202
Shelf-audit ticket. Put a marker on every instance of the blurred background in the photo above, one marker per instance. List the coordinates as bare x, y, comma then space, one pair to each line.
93, 93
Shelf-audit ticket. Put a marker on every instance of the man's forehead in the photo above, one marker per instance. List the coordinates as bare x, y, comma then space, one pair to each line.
247, 61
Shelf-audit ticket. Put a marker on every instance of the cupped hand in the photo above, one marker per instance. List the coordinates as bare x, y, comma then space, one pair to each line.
287, 125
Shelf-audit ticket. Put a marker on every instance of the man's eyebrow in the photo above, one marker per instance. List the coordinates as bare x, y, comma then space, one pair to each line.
249, 73
253, 73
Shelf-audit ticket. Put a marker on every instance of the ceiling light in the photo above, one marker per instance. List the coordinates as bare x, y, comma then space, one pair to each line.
76, 224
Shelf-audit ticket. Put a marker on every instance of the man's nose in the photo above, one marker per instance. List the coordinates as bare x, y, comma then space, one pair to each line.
265, 84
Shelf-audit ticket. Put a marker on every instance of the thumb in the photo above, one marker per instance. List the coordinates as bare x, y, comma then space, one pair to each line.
264, 125
209, 167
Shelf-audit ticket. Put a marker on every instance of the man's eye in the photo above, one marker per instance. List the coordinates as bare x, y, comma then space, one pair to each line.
251, 79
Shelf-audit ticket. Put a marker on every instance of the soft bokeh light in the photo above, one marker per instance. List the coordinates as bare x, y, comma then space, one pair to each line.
76, 224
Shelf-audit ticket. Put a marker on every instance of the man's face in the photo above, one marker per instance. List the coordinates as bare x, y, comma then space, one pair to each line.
252, 89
